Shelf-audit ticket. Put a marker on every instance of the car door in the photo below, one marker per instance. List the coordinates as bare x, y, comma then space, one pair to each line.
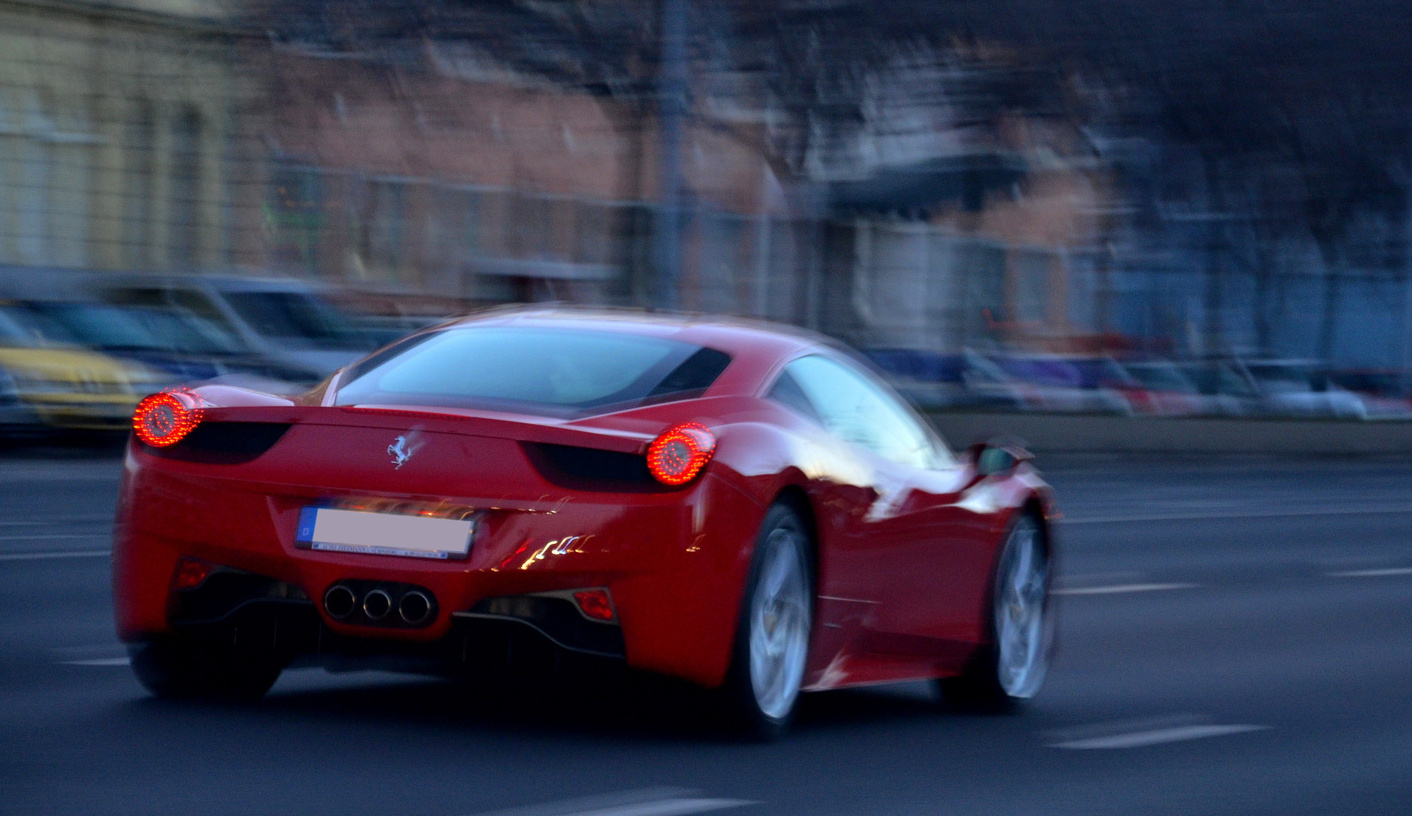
909, 545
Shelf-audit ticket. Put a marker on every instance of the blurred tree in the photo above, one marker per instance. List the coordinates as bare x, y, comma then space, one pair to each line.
1300, 113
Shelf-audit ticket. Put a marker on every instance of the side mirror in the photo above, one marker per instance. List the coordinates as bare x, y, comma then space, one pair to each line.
998, 456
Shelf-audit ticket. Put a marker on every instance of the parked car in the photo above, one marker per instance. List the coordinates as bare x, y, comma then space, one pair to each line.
1225, 388
935, 381
1167, 390
16, 416
290, 322
1383, 391
1057, 384
63, 385
1301, 388
172, 340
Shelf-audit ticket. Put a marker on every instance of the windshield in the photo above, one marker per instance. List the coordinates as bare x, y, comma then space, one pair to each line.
293, 316
534, 370
22, 327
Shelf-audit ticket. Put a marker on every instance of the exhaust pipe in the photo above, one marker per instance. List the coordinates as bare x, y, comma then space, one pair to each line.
414, 608
377, 604
339, 601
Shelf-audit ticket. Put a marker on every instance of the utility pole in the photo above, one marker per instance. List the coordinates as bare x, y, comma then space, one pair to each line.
671, 108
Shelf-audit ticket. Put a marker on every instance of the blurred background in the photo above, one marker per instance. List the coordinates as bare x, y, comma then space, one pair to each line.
1184, 208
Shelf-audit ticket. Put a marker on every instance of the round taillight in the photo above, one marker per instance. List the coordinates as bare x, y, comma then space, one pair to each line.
166, 417
675, 457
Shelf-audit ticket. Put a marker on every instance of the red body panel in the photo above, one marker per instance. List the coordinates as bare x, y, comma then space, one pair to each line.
904, 556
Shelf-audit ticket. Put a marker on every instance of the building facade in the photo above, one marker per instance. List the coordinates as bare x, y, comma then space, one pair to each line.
116, 126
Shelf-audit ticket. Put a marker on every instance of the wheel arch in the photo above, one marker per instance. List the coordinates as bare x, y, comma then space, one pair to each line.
1033, 506
794, 497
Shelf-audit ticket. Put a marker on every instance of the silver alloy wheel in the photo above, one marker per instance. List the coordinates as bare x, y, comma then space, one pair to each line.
779, 623
1020, 627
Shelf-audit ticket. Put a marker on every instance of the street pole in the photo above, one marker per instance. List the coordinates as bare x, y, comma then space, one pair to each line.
672, 103
1406, 378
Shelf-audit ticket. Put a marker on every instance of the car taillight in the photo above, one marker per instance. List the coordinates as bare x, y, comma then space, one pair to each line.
166, 417
675, 457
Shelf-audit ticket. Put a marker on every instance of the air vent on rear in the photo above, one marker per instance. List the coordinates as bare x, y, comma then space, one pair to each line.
224, 443
578, 468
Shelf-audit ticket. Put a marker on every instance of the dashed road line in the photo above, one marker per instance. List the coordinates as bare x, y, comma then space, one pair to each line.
1118, 589
667, 807
1158, 736
40, 556
646, 802
102, 661
1372, 573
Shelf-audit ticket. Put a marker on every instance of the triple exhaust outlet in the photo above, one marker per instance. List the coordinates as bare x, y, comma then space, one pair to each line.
414, 607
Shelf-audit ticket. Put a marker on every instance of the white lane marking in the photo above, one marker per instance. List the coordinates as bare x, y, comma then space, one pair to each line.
39, 556
645, 802
1158, 736
1372, 573
1117, 589
102, 661
667, 807
53, 536
1253, 514
58, 521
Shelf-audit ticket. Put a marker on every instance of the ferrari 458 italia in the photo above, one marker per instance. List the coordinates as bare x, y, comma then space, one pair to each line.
743, 506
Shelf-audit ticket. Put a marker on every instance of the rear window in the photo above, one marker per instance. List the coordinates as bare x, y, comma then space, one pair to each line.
535, 370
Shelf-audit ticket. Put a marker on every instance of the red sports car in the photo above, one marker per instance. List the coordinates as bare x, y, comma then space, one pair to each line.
743, 506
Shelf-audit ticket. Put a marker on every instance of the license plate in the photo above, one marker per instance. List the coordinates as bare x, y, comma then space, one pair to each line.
353, 531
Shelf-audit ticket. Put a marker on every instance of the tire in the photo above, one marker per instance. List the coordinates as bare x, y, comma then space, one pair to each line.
185, 669
772, 635
1011, 667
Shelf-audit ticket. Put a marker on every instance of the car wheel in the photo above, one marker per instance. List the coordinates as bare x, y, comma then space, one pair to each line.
180, 668
1012, 666
776, 618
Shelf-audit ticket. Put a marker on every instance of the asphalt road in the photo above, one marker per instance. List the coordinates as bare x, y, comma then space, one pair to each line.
1235, 638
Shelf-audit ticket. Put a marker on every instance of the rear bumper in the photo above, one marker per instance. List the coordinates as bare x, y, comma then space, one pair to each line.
264, 619
673, 562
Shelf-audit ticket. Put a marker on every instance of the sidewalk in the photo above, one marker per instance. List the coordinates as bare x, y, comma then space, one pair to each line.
1101, 434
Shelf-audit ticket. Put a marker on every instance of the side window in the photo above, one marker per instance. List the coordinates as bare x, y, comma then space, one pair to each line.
199, 305
856, 409
788, 393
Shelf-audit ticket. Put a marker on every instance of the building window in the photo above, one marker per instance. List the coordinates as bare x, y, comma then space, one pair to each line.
36, 181
185, 195
294, 216
47, 157
386, 227
140, 172
377, 227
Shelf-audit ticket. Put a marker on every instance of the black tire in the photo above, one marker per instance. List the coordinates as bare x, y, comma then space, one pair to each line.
187, 669
985, 686
782, 544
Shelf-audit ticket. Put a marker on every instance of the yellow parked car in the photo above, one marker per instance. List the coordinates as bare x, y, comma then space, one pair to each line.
63, 386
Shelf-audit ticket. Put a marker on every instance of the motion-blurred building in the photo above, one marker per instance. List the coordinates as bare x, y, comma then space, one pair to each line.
437, 168
116, 123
